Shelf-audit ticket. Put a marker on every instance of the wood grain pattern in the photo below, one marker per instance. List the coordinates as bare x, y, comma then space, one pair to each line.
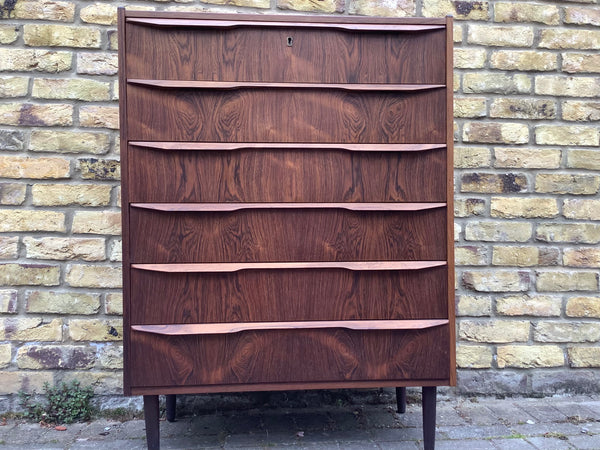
290, 175
271, 235
288, 295
221, 146
280, 356
220, 207
286, 115
262, 54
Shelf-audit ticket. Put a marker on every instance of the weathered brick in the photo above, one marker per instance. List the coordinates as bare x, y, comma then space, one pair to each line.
577, 233
97, 63
8, 301
529, 305
59, 248
581, 111
116, 251
29, 60
494, 331
515, 256
9, 247
583, 307
99, 117
527, 158
566, 332
567, 135
400, 8
35, 115
97, 330
79, 275
580, 62
100, 13
114, 304
470, 256
566, 281
492, 231
460, 10
523, 60
71, 89
493, 183
526, 12
581, 257
12, 220
473, 357
467, 207
556, 183
469, 107
328, 6
12, 193
24, 381
12, 140
496, 83
50, 302
457, 33
474, 305
113, 40
11, 87
100, 169
505, 382
56, 357
471, 157
44, 10
37, 168
457, 231
583, 159
503, 36
495, 133
584, 356
530, 356
29, 275
69, 142
97, 222
5, 355
41, 35
496, 280
557, 85
469, 58
110, 356
70, 194
582, 16
103, 383
8, 33
523, 108
581, 209
31, 329
527, 207
569, 38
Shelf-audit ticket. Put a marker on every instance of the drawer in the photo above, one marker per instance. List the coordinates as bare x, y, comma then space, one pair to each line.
259, 53
274, 295
286, 115
270, 235
281, 356
286, 175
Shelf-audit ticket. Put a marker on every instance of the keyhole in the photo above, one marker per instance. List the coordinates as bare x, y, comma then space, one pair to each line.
290, 41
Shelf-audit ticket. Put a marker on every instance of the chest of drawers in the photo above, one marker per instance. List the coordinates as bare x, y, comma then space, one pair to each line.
286, 191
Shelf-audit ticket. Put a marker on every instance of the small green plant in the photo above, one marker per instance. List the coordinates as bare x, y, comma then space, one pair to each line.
65, 403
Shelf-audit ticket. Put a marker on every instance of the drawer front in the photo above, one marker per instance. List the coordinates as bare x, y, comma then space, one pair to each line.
286, 175
288, 356
264, 235
263, 54
288, 295
286, 115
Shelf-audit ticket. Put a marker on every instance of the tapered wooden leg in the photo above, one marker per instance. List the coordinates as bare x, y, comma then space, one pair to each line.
171, 402
401, 399
429, 405
151, 417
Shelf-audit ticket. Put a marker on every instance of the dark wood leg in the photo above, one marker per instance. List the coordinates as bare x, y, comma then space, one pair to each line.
171, 402
401, 399
429, 404
151, 417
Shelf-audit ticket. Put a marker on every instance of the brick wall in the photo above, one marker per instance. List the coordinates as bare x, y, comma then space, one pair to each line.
527, 181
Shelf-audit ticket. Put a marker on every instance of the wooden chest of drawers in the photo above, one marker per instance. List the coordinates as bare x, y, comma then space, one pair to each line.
287, 190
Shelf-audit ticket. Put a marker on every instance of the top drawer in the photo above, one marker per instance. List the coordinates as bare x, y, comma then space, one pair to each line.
219, 50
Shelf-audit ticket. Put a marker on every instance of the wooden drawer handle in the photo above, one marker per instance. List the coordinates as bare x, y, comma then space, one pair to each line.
228, 328
227, 207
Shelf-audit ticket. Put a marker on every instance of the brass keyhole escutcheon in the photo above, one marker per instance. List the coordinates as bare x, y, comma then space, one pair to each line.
290, 41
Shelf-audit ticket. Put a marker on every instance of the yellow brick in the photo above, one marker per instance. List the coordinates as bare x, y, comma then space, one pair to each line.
116, 252
494, 331
110, 356
527, 158
71, 89
69, 141
469, 10
495, 132
99, 169
38, 168
247, 3
29, 274
496, 83
103, 383
28, 114
44, 10
481, 182
97, 330
12, 220
114, 304
5, 355
530, 356
496, 280
555, 331
584, 356
469, 58
99, 116
515, 256
523, 60
566, 281
400, 8
578, 233
581, 111
473, 357
97, 222
58, 248
101, 13
8, 301
567, 86
567, 135
49, 302
526, 12
581, 257
70, 357
554, 183
469, 107
328, 6
12, 193
584, 307
582, 16
13, 87
8, 34
79, 275
470, 256
457, 33
525, 108
512, 207
583, 159
9, 247
569, 38
471, 157
70, 194
580, 62
24, 381
31, 329
474, 305
529, 305
492, 231
97, 63
581, 209
502, 36
38, 35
